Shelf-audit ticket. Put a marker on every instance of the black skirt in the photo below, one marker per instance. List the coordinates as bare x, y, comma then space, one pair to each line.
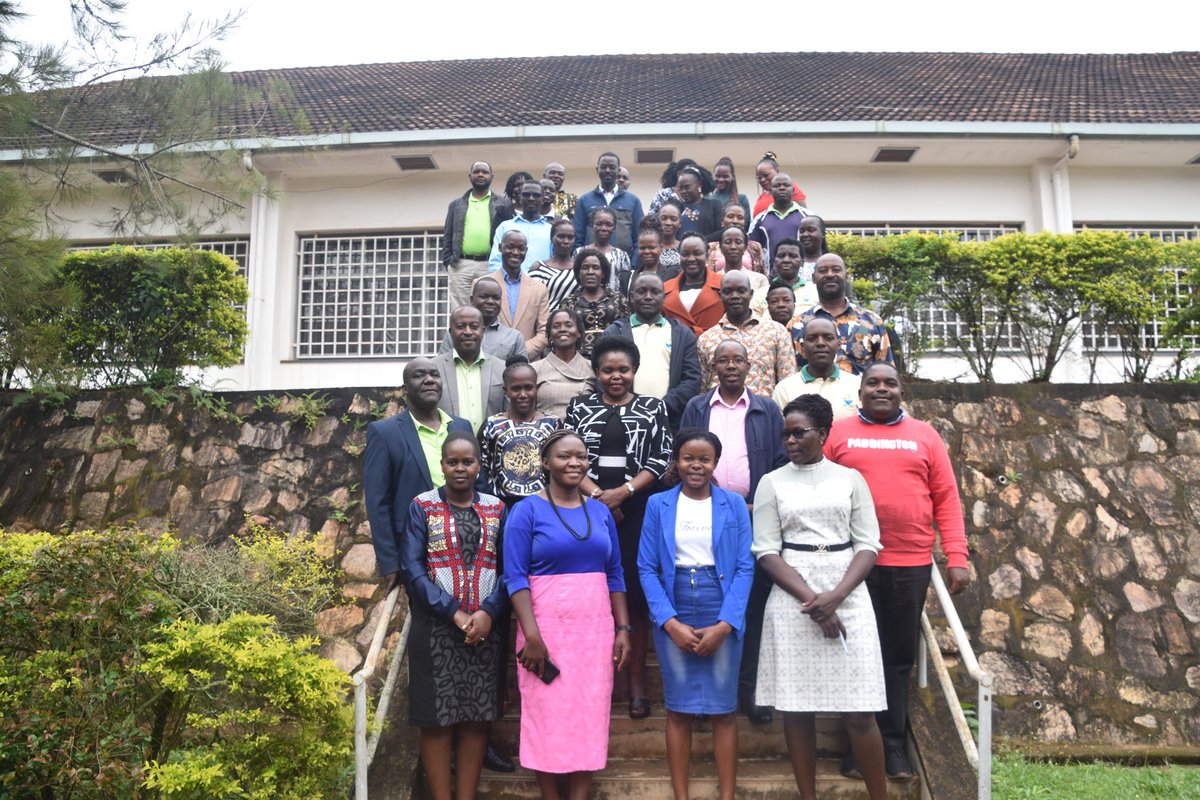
450, 681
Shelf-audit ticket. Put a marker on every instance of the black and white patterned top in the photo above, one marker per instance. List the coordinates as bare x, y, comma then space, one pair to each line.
559, 282
646, 428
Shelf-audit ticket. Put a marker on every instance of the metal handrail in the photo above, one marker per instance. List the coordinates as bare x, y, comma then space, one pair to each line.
979, 755
364, 750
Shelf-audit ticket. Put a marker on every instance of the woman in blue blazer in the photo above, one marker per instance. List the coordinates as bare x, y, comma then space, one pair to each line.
695, 566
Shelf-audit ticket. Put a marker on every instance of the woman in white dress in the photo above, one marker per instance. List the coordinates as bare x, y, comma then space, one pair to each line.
816, 536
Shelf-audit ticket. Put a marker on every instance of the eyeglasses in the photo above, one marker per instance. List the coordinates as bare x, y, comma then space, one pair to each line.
797, 433
531, 194
725, 361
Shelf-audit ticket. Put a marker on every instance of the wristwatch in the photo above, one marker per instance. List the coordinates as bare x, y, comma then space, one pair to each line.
628, 628
595, 493
629, 486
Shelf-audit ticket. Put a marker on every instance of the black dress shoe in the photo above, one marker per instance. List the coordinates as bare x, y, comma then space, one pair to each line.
897, 765
760, 715
496, 761
850, 767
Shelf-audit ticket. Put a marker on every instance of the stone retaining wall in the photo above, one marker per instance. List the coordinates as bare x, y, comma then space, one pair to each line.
1080, 503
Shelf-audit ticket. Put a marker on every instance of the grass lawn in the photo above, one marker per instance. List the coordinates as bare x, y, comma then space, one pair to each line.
1014, 778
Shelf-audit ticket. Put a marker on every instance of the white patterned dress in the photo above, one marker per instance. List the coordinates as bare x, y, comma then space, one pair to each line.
799, 669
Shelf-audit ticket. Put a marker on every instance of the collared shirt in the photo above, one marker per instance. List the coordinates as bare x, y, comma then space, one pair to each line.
772, 357
499, 341
513, 289
840, 389
537, 239
773, 225
728, 423
431, 445
470, 390
477, 225
653, 340
862, 337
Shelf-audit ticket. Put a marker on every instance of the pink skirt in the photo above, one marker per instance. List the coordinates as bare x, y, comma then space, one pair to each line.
564, 725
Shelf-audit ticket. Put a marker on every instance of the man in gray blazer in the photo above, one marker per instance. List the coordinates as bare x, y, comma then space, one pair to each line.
472, 382
670, 366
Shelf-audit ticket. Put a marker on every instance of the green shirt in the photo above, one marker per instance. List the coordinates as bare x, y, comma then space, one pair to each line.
431, 445
477, 225
470, 390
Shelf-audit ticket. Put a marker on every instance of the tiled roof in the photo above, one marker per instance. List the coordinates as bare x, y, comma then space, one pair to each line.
1157, 88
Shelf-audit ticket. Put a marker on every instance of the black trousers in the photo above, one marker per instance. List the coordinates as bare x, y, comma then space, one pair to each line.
898, 595
760, 589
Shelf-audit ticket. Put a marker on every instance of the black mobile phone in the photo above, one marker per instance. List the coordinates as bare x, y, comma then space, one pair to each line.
549, 670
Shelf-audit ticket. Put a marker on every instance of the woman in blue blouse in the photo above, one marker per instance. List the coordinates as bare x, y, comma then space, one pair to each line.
628, 443
448, 562
696, 569
562, 566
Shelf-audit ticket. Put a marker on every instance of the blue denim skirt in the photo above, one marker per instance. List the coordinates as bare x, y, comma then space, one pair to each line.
695, 684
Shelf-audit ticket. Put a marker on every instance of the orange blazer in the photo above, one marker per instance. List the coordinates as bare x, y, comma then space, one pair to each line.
706, 311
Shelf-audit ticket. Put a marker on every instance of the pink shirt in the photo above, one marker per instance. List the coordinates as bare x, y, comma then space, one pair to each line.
728, 423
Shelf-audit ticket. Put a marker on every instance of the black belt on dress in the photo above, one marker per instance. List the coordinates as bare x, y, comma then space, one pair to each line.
818, 548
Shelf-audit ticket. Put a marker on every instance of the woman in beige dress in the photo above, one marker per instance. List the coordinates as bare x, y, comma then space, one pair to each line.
563, 373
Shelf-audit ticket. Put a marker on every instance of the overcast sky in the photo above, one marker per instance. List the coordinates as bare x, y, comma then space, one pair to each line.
300, 33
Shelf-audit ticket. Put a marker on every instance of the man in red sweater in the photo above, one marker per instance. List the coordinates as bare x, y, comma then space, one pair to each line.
907, 468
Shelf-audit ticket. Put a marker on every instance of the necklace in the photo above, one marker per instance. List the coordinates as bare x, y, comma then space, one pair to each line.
570, 530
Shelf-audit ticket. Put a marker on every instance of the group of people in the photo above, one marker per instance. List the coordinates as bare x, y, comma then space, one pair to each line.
618, 457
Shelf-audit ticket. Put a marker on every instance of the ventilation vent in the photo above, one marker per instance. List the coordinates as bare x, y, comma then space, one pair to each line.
894, 155
414, 162
653, 156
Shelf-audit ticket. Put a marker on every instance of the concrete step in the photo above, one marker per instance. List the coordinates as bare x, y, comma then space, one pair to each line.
649, 779
646, 738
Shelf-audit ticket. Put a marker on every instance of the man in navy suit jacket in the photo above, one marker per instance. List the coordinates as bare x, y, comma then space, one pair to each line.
403, 459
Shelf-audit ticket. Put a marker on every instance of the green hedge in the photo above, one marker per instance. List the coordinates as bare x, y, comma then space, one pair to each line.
142, 316
1043, 285
123, 675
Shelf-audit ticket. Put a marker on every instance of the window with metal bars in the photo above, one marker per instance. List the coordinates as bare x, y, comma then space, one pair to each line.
1180, 292
379, 295
936, 322
237, 248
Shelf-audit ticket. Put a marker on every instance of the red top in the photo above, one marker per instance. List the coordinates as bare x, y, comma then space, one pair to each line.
765, 199
912, 482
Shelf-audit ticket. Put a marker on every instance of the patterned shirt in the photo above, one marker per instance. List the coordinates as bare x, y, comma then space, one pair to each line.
596, 315
772, 357
646, 429
511, 453
862, 337
564, 204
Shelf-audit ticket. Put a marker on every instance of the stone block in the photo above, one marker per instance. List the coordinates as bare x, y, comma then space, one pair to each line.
1030, 561
345, 655
993, 628
359, 562
92, 507
181, 501
1055, 724
327, 539
71, 439
1005, 582
1149, 560
1049, 601
1091, 634
1016, 676
1193, 678
1140, 598
151, 438
224, 490
134, 409
285, 469
1174, 630
1187, 599
320, 435
1092, 475
367, 633
87, 408
1109, 528
1087, 428
130, 469
1048, 640
288, 500
102, 466
1138, 693
256, 498
1064, 487
1136, 648
1149, 444
1155, 492
1146, 721
211, 453
1077, 523
1044, 449
1187, 441
1039, 518
360, 591
265, 436
1112, 408
339, 620
1109, 561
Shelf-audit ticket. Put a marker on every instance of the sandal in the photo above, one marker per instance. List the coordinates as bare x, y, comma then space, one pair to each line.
639, 708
